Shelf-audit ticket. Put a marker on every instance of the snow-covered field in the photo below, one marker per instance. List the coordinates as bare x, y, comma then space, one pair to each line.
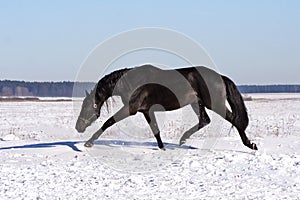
42, 156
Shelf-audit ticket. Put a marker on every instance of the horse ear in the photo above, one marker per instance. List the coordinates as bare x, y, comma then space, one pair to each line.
86, 93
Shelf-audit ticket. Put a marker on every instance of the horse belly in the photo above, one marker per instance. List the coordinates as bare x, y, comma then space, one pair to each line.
163, 96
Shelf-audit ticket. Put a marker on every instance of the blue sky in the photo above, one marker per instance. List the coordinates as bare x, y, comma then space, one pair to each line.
253, 42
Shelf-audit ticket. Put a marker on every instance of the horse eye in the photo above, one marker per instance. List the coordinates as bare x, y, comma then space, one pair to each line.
95, 106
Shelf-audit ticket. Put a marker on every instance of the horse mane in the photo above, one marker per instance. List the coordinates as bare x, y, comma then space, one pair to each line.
111, 79
106, 84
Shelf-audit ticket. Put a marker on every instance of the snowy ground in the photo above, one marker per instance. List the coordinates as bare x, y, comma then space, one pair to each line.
42, 156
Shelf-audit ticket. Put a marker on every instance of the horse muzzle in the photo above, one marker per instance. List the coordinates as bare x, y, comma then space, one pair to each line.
80, 127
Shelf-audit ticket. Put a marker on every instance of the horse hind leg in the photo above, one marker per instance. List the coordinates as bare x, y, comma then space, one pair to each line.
241, 129
202, 116
203, 121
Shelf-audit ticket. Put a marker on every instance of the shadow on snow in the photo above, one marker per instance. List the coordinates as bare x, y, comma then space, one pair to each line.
70, 144
145, 144
111, 143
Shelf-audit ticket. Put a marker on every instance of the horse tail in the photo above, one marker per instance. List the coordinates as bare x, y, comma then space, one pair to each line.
236, 102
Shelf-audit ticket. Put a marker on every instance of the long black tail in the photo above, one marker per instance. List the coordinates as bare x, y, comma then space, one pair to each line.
236, 102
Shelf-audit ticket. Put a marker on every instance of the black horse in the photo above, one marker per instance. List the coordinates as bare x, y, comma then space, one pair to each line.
148, 89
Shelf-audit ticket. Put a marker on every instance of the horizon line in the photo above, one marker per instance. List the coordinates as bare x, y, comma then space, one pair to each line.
69, 81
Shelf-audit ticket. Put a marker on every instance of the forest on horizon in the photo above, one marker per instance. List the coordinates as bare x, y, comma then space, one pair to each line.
65, 88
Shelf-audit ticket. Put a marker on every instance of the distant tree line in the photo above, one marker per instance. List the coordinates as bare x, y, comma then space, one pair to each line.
77, 89
269, 88
43, 89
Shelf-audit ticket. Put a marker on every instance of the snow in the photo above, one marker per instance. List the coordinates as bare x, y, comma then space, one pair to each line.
43, 157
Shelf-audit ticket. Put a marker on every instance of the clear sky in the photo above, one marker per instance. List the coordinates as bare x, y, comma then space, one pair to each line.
253, 42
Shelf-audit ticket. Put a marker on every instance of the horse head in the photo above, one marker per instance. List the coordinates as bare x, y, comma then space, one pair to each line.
90, 111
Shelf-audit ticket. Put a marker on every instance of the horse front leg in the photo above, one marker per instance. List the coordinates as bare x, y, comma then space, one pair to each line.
118, 116
150, 117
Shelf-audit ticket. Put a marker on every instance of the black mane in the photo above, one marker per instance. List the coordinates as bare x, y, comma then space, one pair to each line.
108, 82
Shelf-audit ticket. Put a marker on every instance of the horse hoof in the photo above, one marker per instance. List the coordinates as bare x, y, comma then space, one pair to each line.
254, 147
182, 142
88, 144
163, 148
